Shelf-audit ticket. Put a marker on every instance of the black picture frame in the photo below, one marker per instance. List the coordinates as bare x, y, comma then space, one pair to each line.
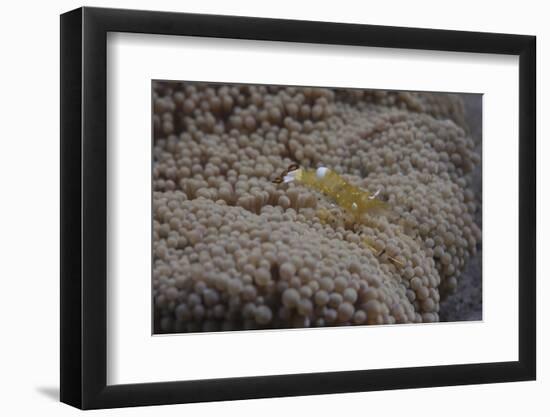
84, 207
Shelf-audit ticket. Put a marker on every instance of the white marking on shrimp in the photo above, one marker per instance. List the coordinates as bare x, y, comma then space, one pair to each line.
291, 176
321, 172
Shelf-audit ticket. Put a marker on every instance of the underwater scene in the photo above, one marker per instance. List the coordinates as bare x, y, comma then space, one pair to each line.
280, 207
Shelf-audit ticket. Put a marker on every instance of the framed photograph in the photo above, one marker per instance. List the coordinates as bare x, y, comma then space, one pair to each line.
258, 208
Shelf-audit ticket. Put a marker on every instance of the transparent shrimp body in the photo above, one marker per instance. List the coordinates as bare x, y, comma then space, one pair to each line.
352, 199
349, 197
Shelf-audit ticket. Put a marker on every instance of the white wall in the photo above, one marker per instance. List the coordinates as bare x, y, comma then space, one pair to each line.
29, 238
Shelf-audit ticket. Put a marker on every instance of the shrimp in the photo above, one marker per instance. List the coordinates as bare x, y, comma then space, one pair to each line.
352, 199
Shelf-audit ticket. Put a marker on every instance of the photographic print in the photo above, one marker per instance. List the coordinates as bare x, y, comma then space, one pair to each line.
278, 207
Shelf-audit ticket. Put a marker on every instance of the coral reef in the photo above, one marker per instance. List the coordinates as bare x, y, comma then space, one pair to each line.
233, 251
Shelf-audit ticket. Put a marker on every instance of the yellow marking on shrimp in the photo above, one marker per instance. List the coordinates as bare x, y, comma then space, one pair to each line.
351, 198
367, 241
400, 263
379, 253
